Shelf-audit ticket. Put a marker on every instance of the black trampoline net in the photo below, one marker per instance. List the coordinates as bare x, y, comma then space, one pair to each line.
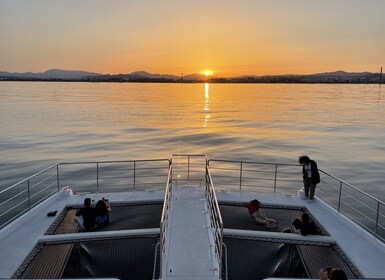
122, 217
123, 258
133, 257
236, 216
258, 258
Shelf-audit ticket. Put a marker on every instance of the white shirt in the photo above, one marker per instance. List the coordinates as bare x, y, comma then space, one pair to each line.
308, 170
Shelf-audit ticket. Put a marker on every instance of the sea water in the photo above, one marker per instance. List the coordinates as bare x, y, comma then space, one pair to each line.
340, 126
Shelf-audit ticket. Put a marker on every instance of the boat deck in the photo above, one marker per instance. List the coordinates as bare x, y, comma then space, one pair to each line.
365, 251
188, 252
20, 237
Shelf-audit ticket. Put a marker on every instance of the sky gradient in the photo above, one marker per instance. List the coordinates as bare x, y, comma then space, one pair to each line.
228, 37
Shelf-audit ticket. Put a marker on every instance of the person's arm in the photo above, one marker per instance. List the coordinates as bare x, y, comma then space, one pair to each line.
304, 172
315, 177
314, 167
323, 274
108, 206
79, 212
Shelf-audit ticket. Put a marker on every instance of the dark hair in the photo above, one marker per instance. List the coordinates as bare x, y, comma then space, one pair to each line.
255, 202
101, 208
305, 217
337, 274
303, 159
87, 201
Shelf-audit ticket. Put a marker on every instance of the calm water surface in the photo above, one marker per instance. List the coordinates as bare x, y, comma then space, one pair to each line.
342, 127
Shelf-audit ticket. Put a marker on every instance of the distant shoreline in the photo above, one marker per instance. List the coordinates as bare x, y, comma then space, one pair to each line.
58, 75
189, 82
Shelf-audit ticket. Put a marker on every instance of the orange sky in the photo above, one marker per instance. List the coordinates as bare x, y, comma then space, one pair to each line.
229, 37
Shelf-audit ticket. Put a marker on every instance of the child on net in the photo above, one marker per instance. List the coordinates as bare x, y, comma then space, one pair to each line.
253, 206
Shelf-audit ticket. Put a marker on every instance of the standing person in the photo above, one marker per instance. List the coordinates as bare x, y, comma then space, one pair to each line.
86, 216
311, 175
253, 207
102, 210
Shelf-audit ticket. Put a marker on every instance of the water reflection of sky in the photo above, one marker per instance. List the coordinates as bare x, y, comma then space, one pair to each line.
340, 126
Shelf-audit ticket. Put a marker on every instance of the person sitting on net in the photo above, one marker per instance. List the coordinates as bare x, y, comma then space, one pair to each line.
260, 218
305, 226
102, 210
86, 216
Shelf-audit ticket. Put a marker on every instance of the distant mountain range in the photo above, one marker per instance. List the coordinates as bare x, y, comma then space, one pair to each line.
142, 76
50, 74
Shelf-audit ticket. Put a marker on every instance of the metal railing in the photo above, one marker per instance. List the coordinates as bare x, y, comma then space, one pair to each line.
362, 208
165, 211
215, 217
110, 176
155, 261
164, 218
24, 195
113, 176
92, 177
263, 177
188, 167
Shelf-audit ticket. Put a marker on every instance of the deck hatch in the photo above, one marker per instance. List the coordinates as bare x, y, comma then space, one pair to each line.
260, 258
123, 258
51, 258
122, 217
235, 216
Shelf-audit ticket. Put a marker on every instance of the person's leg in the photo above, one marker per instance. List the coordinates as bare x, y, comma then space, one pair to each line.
312, 191
258, 218
306, 184
80, 221
261, 219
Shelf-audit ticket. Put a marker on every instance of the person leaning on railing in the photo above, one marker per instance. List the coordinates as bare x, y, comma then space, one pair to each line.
311, 175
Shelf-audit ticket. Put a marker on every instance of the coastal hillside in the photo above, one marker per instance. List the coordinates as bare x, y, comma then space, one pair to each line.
143, 76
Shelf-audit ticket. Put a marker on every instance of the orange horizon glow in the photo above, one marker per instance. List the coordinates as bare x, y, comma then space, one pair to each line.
234, 38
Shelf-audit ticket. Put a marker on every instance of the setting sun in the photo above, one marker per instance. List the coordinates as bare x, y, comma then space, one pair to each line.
207, 72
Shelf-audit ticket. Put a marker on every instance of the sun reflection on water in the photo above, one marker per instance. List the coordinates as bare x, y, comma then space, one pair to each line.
207, 102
